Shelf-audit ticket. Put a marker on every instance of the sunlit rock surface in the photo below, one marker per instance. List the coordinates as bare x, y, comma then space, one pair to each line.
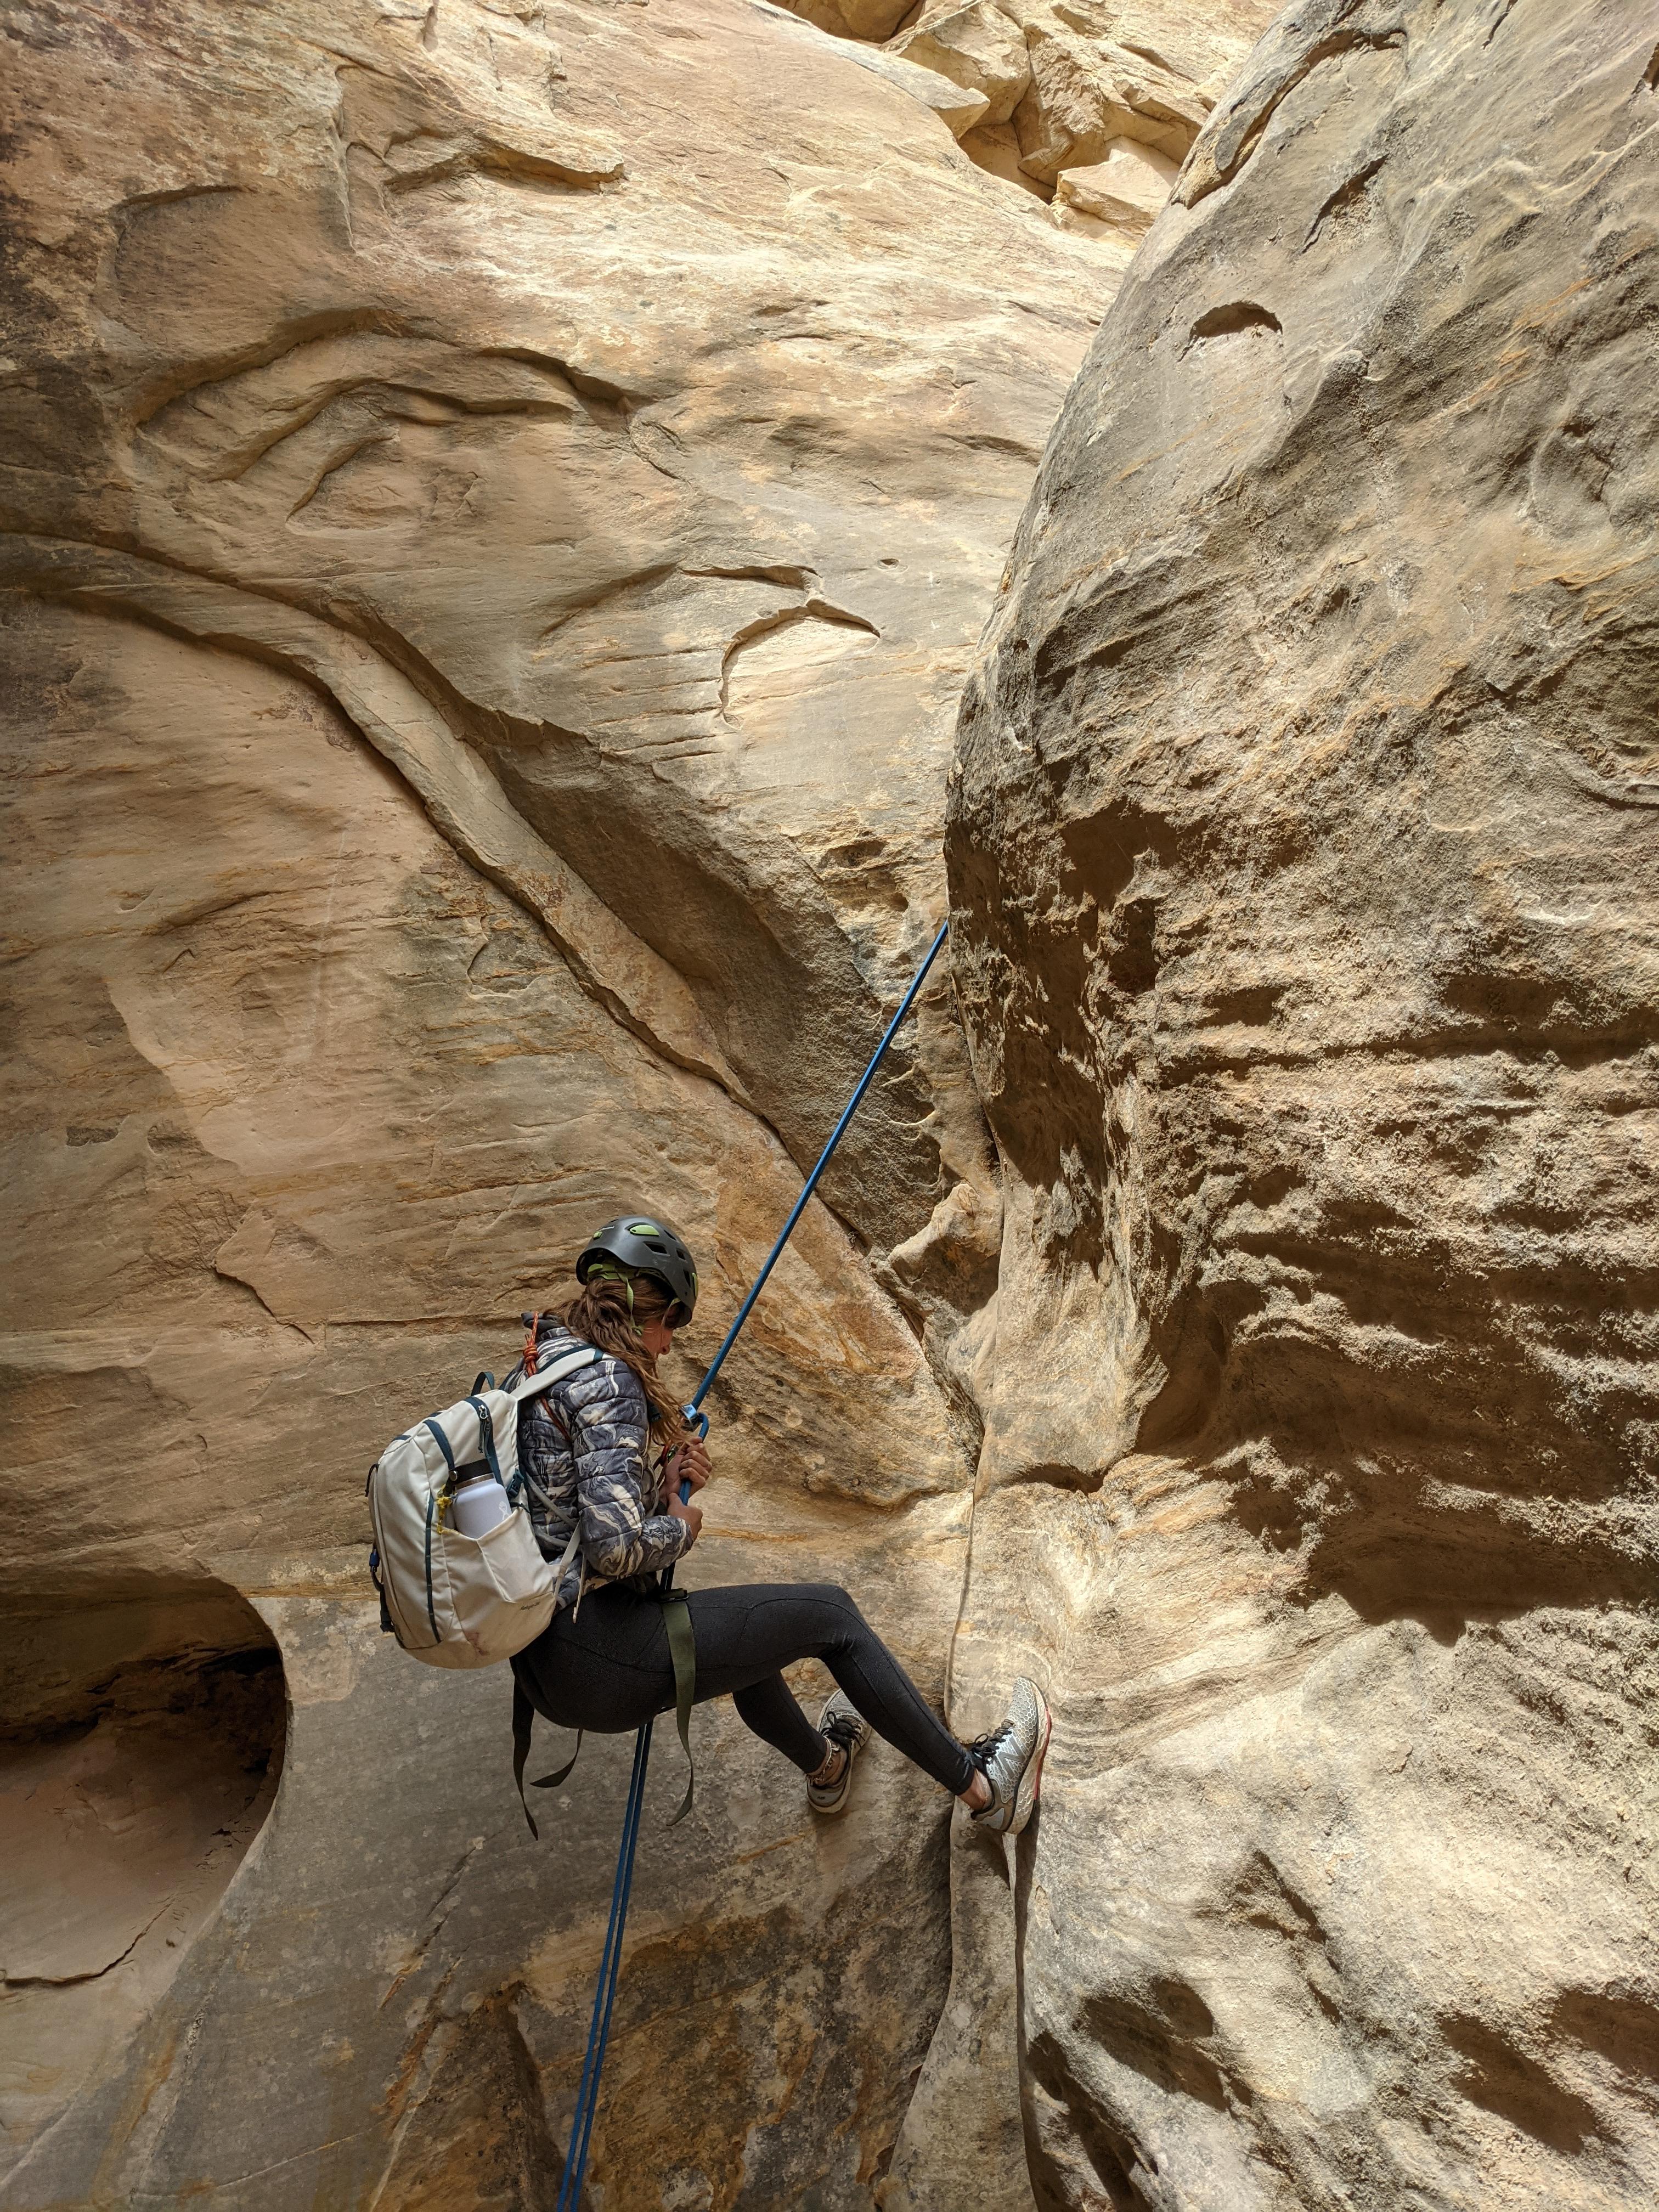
1068, 86
1305, 874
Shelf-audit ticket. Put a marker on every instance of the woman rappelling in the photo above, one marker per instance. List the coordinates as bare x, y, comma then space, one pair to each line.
604, 1662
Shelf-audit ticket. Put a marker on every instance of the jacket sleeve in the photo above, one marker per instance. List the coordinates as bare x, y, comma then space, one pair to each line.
607, 1440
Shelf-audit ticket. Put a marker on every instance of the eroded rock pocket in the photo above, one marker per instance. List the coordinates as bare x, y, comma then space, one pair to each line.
141, 1738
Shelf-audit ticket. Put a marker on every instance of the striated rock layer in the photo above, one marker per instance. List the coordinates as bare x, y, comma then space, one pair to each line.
1305, 855
498, 499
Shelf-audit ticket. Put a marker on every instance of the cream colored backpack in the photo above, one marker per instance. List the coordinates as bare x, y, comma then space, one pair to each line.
451, 1599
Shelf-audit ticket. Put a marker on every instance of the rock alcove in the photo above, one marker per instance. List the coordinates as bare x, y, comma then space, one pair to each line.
141, 1755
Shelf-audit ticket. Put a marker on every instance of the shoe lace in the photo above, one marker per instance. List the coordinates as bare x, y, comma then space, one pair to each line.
842, 1728
983, 1748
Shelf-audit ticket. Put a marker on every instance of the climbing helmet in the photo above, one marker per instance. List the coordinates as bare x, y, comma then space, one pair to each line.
647, 1245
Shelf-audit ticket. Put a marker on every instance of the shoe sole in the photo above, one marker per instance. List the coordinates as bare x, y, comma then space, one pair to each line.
1030, 1783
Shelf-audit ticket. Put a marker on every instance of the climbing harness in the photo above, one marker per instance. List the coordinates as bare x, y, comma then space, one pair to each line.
679, 1630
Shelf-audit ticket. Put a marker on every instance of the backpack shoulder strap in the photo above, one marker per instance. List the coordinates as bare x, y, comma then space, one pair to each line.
534, 1385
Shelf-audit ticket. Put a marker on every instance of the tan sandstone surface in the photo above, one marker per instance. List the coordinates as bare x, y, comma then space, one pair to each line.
1305, 857
498, 503
1048, 93
498, 499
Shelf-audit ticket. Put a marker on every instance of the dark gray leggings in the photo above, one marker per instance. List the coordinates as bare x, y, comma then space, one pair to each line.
607, 1668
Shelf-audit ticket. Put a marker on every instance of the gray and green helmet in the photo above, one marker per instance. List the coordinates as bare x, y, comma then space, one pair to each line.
646, 1245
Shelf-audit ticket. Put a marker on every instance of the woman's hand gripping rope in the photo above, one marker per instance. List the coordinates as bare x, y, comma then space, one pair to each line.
684, 1472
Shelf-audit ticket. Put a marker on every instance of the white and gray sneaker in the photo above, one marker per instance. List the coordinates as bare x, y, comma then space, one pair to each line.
840, 1724
1011, 1759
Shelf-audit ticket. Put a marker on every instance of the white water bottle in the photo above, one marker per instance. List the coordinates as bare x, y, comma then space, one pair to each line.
480, 1506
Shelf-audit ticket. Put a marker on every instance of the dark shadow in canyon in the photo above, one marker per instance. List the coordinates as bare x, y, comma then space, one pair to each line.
142, 1734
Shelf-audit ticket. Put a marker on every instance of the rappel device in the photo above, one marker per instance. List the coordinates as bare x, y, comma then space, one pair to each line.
588, 2092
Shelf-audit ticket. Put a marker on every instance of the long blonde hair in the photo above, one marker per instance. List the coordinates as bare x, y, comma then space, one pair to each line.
609, 1311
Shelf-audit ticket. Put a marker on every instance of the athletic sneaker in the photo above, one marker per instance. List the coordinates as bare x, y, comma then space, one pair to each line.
844, 1725
1011, 1759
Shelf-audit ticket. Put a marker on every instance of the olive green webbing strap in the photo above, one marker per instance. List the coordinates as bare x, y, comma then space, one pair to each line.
524, 1720
683, 1651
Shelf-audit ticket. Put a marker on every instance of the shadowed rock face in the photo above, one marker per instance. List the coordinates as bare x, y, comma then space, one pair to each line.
497, 503
1305, 852
139, 1755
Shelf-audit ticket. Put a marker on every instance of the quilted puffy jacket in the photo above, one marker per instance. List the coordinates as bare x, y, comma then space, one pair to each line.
582, 1449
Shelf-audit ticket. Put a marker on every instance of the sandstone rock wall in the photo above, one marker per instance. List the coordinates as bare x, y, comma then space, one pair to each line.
498, 501
1305, 874
1089, 105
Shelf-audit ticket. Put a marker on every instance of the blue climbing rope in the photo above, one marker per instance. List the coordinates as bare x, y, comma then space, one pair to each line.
588, 2092
700, 1420
598, 2033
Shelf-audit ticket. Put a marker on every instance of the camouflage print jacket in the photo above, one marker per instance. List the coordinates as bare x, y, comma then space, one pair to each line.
582, 1448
